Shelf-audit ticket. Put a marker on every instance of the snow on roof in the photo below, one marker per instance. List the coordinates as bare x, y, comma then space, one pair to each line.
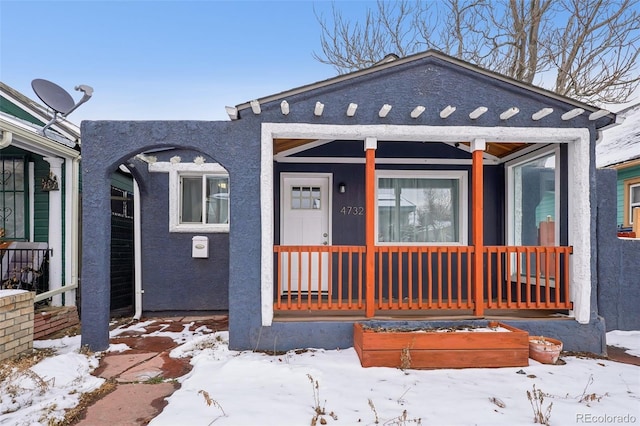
621, 143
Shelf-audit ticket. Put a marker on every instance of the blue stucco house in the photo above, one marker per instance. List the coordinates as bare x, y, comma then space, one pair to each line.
421, 189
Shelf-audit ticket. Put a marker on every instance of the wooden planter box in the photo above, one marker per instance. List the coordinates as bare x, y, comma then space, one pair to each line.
441, 349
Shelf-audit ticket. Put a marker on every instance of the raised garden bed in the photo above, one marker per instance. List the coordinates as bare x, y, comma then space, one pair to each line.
492, 345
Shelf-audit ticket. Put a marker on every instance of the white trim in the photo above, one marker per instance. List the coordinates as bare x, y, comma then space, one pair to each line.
579, 185
70, 184
478, 144
55, 231
32, 199
360, 160
521, 152
31, 141
304, 175
370, 143
176, 171
266, 221
137, 252
579, 212
463, 206
306, 146
205, 168
510, 226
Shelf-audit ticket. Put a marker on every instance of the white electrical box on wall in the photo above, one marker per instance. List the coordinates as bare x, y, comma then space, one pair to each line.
200, 247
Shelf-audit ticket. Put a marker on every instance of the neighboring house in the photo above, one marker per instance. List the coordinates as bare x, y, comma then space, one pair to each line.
40, 191
39, 197
418, 189
619, 149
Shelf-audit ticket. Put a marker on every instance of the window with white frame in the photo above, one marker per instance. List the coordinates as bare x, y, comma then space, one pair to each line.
204, 200
198, 196
631, 199
421, 207
533, 200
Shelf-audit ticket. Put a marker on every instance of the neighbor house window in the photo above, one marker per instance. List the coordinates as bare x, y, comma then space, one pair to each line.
198, 196
533, 200
13, 197
631, 199
422, 207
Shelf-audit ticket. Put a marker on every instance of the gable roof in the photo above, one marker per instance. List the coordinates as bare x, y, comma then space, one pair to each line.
390, 61
620, 146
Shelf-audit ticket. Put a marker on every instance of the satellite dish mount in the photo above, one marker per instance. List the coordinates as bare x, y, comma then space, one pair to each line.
58, 99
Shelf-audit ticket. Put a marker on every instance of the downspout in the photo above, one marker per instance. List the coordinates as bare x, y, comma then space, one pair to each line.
75, 222
137, 252
7, 137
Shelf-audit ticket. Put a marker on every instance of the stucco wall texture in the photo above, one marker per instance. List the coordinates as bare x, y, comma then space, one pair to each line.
618, 263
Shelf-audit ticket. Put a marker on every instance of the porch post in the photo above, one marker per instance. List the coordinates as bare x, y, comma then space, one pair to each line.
55, 229
370, 145
477, 148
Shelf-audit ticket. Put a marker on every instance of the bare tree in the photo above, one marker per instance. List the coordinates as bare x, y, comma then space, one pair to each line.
587, 49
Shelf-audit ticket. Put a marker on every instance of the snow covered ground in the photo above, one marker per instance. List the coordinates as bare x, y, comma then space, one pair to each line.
246, 388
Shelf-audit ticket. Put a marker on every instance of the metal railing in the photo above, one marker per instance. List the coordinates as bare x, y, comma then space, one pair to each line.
25, 269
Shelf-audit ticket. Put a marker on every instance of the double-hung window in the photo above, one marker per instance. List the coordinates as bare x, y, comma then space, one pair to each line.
421, 207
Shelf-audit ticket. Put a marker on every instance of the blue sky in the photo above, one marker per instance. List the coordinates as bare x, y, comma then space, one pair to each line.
172, 60
164, 59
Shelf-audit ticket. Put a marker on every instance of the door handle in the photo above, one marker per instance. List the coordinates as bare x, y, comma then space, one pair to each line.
325, 235
325, 243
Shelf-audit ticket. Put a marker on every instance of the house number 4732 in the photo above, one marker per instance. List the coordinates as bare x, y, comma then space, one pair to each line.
352, 210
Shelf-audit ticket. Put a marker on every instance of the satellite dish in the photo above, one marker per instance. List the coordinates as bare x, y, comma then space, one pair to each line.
54, 96
58, 99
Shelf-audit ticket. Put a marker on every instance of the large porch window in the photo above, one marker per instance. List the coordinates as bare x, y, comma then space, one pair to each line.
533, 200
13, 185
421, 207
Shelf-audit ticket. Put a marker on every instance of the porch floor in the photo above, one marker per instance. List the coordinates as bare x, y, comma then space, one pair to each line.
430, 315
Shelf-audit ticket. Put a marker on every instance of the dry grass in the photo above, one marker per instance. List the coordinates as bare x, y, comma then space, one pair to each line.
23, 361
540, 413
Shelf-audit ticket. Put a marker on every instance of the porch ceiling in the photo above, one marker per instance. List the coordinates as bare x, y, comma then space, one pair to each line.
497, 149
280, 145
501, 149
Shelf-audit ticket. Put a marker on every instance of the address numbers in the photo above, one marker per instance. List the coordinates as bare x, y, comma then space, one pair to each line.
352, 210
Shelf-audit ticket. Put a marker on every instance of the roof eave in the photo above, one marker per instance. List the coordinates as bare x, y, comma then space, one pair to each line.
418, 56
37, 143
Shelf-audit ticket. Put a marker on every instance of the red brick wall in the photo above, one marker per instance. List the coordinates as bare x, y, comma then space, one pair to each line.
49, 321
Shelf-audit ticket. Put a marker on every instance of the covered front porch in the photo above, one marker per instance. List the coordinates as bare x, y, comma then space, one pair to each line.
464, 279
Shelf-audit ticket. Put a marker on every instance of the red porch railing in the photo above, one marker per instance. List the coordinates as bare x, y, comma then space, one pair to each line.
336, 272
423, 277
529, 277
415, 278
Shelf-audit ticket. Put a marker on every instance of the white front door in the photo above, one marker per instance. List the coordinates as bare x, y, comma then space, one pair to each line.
305, 222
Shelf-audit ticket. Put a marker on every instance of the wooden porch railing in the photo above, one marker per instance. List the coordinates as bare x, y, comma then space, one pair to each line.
423, 277
336, 271
420, 278
527, 277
